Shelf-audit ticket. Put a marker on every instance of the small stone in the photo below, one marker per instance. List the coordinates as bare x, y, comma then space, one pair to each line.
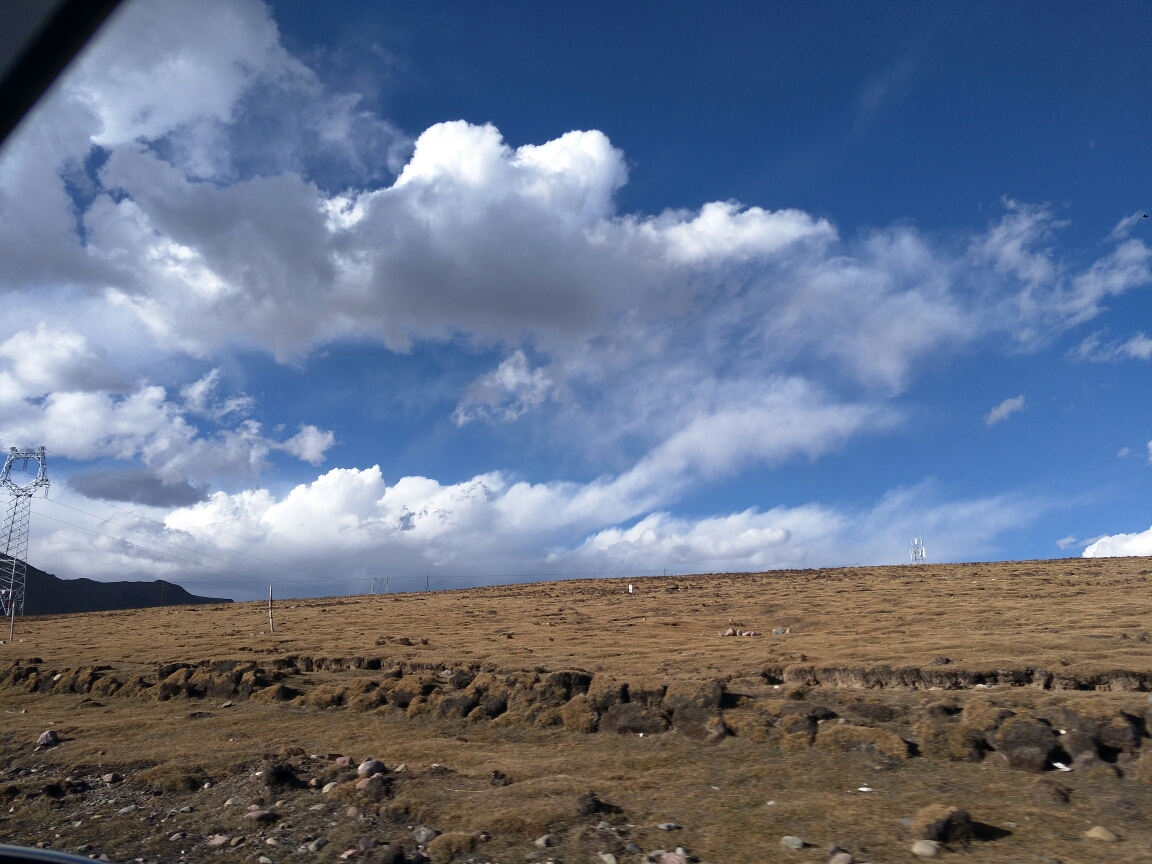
352, 812
349, 853
603, 826
792, 842
672, 858
841, 858
363, 784
344, 761
366, 843
48, 739
176, 837
1099, 832
668, 826
271, 841
237, 841
264, 859
131, 808
729, 632
184, 810
231, 801
941, 661
606, 857
942, 823
371, 766
544, 842
328, 787
317, 844
424, 835
926, 848
402, 767
112, 778
227, 704
633, 849
499, 778
318, 808
260, 816
217, 840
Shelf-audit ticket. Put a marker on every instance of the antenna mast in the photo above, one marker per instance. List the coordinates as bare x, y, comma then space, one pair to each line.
917, 552
14, 536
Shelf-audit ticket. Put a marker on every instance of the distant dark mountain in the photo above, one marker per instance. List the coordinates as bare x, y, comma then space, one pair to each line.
49, 595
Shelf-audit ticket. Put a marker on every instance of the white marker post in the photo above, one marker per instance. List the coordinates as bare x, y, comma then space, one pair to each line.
271, 623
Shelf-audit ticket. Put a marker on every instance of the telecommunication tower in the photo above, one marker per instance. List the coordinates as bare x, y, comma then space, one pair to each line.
383, 582
14, 570
917, 552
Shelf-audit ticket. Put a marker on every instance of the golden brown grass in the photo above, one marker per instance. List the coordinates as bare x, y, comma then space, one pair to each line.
1082, 617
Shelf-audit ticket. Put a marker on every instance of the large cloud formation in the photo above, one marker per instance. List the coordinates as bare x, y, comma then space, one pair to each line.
191, 187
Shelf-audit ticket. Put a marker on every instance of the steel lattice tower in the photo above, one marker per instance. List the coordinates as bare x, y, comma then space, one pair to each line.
14, 570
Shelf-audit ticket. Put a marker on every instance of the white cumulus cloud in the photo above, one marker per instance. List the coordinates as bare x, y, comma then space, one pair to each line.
1004, 410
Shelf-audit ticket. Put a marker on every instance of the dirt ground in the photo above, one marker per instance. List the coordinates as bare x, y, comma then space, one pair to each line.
949, 686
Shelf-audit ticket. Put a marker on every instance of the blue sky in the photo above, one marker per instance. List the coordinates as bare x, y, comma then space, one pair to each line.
490, 290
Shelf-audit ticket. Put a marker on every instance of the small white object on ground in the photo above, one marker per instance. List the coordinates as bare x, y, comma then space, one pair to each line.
865, 789
926, 848
1060, 766
1099, 832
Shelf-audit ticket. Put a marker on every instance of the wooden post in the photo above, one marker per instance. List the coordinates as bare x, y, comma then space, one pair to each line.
271, 623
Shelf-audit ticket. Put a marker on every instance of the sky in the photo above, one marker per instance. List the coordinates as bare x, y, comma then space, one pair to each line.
460, 293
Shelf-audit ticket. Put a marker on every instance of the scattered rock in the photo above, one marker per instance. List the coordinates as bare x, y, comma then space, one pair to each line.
926, 848
449, 845
589, 805
178, 836
792, 842
365, 843
672, 858
499, 778
941, 661
371, 766
123, 811
1027, 744
841, 858
218, 840
633, 849
260, 816
943, 824
376, 781
48, 738
781, 631
544, 842
317, 844
424, 835
112, 778
606, 857
328, 787
668, 826
344, 761
264, 859
1099, 832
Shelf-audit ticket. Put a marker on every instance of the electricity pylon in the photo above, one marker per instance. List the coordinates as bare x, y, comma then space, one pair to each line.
14, 570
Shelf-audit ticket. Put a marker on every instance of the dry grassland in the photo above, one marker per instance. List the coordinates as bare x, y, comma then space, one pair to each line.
931, 685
